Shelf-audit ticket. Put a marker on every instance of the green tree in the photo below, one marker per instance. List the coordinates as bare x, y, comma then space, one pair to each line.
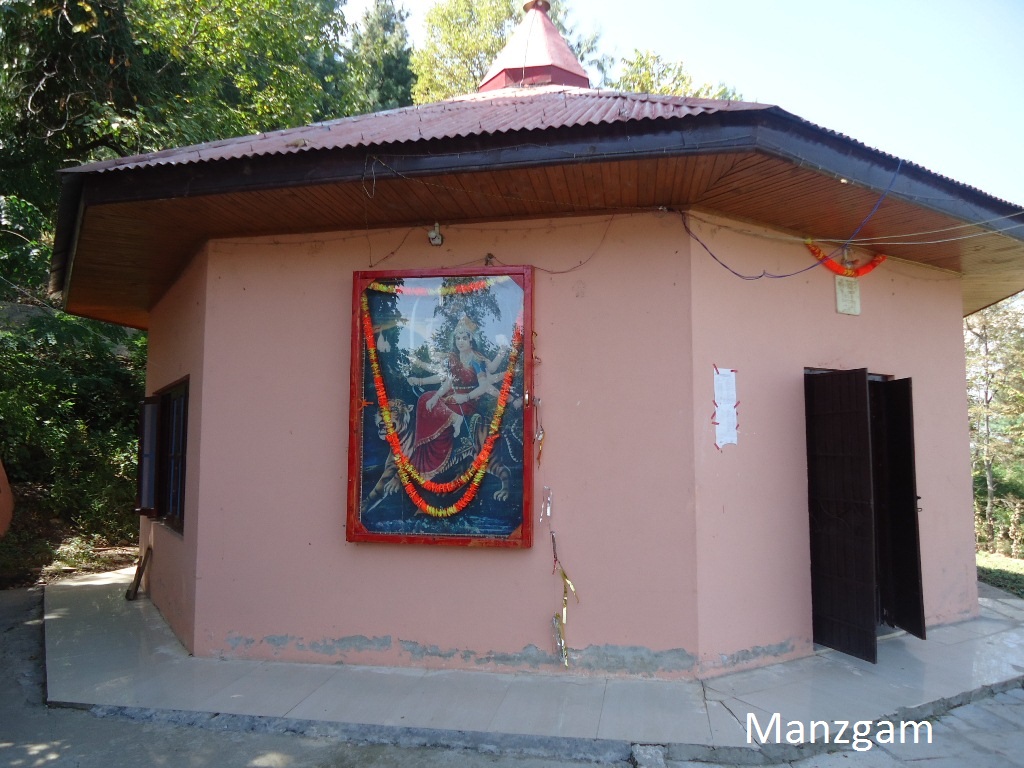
83, 80
994, 344
648, 72
23, 250
69, 390
378, 61
462, 38
237, 67
87, 80
66, 89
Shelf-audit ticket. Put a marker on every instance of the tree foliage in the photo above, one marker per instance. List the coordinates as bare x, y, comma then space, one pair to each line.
238, 67
69, 390
648, 72
82, 80
23, 250
378, 61
63, 80
462, 38
994, 343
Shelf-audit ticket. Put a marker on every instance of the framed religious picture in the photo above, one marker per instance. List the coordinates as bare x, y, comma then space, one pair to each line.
441, 437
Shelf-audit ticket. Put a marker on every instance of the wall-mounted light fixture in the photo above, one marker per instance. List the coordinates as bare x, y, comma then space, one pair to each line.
434, 236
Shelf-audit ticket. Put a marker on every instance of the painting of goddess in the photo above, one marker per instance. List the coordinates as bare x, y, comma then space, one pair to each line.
438, 429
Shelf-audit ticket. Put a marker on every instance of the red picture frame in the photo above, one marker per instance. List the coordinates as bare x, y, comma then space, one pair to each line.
441, 419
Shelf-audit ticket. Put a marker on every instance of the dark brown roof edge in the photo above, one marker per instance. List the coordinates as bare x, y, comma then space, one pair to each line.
69, 208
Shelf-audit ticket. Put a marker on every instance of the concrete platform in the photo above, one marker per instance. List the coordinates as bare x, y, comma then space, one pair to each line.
119, 657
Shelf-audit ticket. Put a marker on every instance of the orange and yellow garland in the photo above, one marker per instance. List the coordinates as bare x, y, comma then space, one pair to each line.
444, 290
407, 473
839, 269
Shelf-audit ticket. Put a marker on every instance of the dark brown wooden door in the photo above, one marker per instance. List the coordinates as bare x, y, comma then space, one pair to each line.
902, 593
842, 520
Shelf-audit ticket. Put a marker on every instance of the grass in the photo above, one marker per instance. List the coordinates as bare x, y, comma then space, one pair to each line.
1002, 572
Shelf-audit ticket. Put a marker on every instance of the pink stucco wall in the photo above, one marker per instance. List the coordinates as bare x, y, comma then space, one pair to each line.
176, 347
686, 559
754, 587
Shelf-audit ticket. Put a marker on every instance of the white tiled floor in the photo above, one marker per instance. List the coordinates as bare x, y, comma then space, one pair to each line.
104, 650
532, 706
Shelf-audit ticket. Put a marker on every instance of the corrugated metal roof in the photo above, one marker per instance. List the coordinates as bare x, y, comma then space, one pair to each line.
751, 161
486, 113
493, 112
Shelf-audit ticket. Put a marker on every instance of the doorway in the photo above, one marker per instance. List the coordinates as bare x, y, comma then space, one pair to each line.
862, 501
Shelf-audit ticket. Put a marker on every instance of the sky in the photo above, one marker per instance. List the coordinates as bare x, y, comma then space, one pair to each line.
939, 83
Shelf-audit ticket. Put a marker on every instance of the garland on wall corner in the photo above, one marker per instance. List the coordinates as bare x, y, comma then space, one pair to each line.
840, 269
538, 434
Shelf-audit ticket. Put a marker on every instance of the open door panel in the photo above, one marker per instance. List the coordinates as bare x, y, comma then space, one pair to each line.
841, 500
904, 606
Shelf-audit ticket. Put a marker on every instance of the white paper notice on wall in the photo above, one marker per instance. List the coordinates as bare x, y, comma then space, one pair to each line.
847, 295
726, 402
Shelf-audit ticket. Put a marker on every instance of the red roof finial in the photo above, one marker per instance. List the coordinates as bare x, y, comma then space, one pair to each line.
535, 54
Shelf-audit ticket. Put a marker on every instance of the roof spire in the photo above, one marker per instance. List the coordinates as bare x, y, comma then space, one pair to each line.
535, 54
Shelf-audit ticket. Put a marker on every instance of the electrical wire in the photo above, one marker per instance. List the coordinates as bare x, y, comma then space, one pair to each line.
593, 253
772, 276
526, 48
54, 311
393, 250
885, 240
885, 194
945, 229
881, 243
490, 258
36, 301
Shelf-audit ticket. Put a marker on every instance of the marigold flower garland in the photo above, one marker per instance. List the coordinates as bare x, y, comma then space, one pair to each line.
444, 290
839, 269
407, 473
